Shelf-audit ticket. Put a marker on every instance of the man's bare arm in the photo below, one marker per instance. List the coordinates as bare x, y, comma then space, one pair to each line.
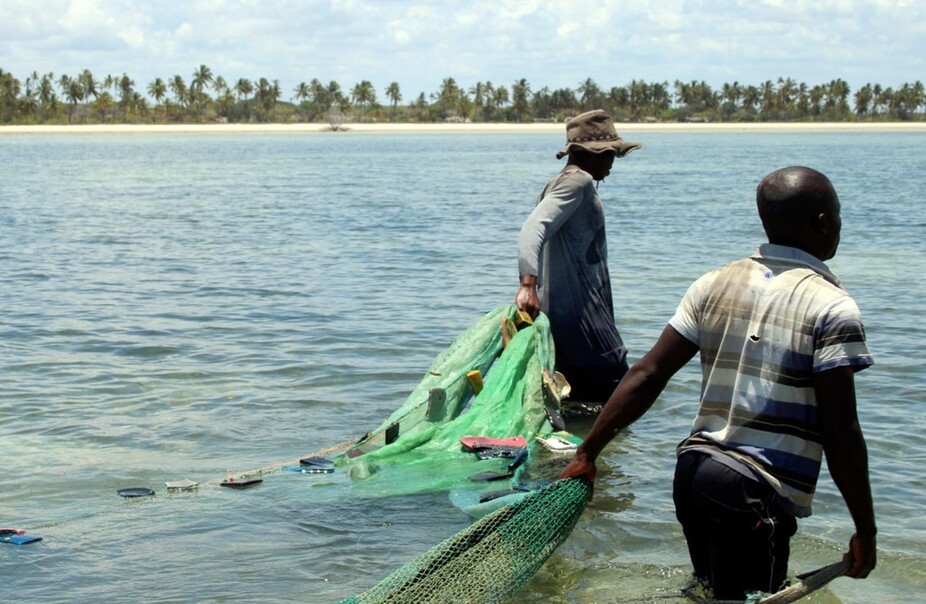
847, 460
634, 395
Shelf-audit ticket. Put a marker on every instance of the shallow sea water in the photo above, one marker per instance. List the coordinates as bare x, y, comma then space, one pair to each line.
184, 306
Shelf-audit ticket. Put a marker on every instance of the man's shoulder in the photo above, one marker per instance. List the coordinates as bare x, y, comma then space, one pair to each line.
571, 178
721, 281
733, 270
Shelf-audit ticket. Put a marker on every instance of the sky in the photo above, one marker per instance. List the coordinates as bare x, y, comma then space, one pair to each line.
418, 44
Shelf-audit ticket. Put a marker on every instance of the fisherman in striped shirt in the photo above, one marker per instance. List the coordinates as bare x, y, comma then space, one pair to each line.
779, 342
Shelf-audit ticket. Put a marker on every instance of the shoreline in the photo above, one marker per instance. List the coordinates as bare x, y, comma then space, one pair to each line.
451, 128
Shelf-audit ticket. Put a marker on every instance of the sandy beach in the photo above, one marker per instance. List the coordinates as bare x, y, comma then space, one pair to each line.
466, 128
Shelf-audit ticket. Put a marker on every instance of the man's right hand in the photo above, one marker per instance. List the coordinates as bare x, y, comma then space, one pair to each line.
527, 299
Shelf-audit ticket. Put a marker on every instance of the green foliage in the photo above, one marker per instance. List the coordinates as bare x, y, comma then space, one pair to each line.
206, 97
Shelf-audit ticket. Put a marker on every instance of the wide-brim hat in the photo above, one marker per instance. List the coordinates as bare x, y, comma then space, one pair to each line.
594, 131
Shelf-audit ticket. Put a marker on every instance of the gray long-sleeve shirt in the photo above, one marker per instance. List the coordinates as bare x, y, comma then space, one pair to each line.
563, 243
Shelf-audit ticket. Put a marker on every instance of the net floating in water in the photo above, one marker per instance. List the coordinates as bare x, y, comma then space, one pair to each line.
493, 558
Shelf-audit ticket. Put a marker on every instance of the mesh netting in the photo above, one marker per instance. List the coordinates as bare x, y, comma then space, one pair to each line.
493, 558
418, 447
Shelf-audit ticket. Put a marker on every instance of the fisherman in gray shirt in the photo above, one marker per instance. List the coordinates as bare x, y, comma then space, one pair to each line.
563, 262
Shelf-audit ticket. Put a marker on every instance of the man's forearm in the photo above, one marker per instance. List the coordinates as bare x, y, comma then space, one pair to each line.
847, 460
528, 280
844, 444
633, 396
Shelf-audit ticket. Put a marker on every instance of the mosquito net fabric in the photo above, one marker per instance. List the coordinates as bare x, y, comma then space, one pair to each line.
417, 448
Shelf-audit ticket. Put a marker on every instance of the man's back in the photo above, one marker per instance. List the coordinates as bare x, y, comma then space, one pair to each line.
764, 325
780, 343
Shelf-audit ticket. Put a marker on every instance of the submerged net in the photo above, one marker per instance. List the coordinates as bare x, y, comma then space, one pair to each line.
495, 381
493, 558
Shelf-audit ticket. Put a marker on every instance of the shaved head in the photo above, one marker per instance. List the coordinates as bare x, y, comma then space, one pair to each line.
799, 207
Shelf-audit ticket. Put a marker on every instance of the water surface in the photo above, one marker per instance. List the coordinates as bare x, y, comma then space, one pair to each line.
182, 306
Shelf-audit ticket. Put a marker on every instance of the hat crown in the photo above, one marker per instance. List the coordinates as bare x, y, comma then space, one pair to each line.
594, 132
591, 126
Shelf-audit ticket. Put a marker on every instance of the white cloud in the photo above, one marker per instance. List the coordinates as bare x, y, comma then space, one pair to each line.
133, 37
551, 43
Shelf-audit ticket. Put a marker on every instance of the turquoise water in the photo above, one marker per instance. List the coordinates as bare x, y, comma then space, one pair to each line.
183, 306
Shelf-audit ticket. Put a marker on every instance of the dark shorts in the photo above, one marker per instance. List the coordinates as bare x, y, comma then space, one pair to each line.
592, 384
738, 537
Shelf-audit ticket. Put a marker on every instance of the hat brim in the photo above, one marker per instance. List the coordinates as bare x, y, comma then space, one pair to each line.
620, 148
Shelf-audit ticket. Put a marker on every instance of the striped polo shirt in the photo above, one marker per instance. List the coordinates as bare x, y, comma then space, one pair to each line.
764, 325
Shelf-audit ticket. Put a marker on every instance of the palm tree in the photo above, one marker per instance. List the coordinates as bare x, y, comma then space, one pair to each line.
139, 105
219, 85
563, 101
589, 94
202, 77
319, 95
787, 91
31, 80
73, 91
479, 98
243, 89
816, 99
488, 95
839, 92
638, 98
465, 105
395, 96
104, 104
618, 100
519, 93
803, 100
660, 96
881, 100
224, 103
9, 92
267, 96
906, 100
540, 103
919, 94
109, 83
420, 108
731, 94
750, 99
126, 94
301, 95
46, 94
363, 94
863, 98
301, 92
335, 96
179, 88
835, 99
500, 98
158, 91
768, 98
89, 84
28, 104
448, 97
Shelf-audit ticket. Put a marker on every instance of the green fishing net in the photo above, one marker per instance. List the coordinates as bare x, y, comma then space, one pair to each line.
495, 380
493, 558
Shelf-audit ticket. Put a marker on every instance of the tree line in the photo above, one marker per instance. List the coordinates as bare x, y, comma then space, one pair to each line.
206, 97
